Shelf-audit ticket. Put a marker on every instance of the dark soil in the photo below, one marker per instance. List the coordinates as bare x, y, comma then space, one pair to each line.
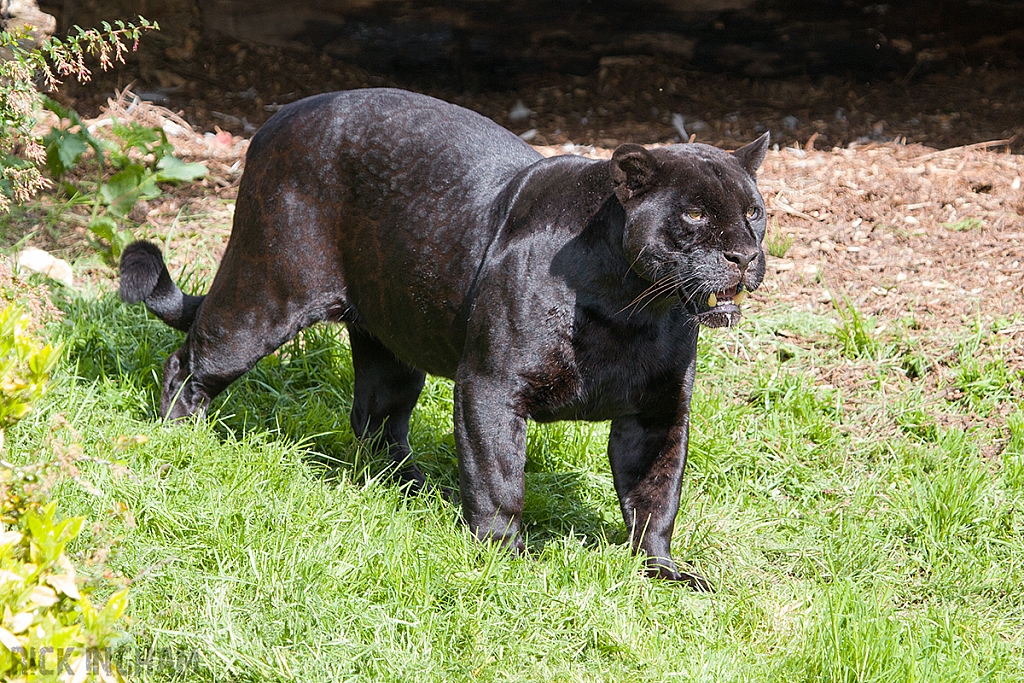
236, 87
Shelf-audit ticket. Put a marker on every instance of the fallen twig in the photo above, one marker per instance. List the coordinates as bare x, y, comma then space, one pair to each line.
790, 210
964, 148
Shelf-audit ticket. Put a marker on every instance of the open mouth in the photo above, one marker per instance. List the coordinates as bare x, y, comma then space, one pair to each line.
721, 309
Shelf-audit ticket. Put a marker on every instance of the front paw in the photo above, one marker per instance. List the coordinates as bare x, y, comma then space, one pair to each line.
508, 538
664, 568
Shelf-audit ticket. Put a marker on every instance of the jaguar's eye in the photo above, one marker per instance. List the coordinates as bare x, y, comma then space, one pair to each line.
753, 213
695, 214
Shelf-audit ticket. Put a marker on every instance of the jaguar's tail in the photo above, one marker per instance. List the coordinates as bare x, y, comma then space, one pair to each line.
144, 277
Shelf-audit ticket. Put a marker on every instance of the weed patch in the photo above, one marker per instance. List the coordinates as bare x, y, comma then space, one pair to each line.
777, 244
855, 333
130, 165
971, 223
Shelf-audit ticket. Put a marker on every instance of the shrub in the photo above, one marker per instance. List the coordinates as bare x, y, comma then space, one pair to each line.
25, 366
49, 627
21, 151
140, 158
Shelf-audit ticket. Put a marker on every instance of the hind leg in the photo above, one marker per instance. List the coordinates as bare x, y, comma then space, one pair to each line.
386, 391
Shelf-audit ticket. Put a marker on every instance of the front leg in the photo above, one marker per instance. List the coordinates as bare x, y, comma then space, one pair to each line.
647, 464
490, 439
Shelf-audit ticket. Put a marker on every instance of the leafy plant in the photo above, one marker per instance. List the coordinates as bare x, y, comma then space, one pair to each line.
49, 628
25, 367
916, 364
21, 151
918, 422
984, 383
139, 156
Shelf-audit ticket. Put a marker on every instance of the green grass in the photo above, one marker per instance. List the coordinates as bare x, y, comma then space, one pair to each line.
870, 529
778, 245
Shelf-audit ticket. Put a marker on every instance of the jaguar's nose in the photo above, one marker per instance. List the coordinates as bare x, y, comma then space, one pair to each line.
741, 258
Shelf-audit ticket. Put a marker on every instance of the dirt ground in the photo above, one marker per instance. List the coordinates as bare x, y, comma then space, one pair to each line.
237, 86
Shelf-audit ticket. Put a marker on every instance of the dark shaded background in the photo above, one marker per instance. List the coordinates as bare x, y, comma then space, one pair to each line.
941, 73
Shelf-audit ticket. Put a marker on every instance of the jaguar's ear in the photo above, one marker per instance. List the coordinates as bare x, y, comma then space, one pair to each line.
750, 156
632, 170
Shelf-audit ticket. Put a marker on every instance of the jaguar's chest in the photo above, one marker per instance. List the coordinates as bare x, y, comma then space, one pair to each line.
605, 369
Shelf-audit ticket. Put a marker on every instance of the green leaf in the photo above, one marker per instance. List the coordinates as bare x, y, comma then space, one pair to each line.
174, 169
135, 135
105, 227
61, 111
72, 190
115, 607
68, 529
146, 139
57, 138
63, 150
126, 187
122, 238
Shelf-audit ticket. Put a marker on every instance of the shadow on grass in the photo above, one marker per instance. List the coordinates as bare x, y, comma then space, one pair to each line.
303, 392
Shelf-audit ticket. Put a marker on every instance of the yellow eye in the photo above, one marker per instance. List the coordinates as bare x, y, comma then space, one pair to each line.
753, 212
695, 214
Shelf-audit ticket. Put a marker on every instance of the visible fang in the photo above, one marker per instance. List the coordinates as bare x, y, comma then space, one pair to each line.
739, 296
712, 300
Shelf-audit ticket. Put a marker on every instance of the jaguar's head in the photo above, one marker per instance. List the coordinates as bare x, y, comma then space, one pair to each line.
694, 224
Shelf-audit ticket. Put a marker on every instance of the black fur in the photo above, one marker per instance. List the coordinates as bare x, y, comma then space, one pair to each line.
548, 289
144, 277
